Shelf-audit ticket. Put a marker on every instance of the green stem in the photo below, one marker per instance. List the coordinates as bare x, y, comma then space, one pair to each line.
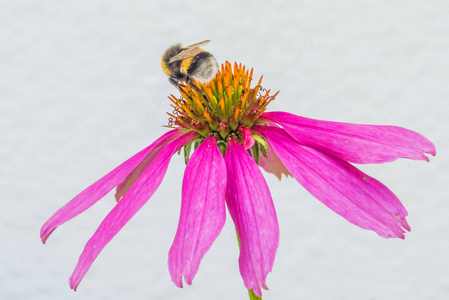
252, 295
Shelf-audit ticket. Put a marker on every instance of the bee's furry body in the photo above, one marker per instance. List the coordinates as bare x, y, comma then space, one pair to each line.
191, 62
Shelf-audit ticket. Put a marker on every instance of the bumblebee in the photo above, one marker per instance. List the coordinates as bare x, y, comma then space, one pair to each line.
191, 62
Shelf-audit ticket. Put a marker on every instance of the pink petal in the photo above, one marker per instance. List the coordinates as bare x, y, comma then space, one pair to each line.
251, 207
355, 142
203, 211
357, 197
96, 191
128, 206
123, 187
247, 138
272, 163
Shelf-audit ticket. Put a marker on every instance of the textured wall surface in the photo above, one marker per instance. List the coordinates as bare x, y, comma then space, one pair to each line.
81, 90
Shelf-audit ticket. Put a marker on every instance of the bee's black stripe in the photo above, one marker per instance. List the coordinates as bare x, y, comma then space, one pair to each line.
197, 61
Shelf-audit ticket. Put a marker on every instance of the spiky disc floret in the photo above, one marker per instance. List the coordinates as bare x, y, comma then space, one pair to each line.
222, 105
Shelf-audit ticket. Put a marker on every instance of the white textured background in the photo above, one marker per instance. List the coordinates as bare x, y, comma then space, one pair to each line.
81, 90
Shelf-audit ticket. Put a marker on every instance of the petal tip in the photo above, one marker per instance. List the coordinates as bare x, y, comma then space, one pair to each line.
178, 282
45, 233
188, 280
405, 225
43, 238
73, 284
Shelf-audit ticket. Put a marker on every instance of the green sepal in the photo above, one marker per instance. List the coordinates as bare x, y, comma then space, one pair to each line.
264, 151
222, 146
256, 153
263, 145
197, 143
187, 149
261, 141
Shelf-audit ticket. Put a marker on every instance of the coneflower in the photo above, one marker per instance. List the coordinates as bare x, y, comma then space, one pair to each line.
227, 134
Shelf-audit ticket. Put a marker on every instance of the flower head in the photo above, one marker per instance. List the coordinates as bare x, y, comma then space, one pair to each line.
228, 104
232, 135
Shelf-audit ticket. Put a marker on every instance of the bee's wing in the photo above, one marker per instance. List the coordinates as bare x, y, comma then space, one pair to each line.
197, 44
189, 51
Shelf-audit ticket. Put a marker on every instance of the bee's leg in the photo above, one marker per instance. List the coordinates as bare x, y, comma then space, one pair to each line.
177, 80
173, 81
195, 87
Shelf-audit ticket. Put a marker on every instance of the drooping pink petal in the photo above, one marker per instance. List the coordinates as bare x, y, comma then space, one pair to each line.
203, 212
127, 207
247, 138
97, 190
357, 197
355, 143
249, 202
124, 186
272, 163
